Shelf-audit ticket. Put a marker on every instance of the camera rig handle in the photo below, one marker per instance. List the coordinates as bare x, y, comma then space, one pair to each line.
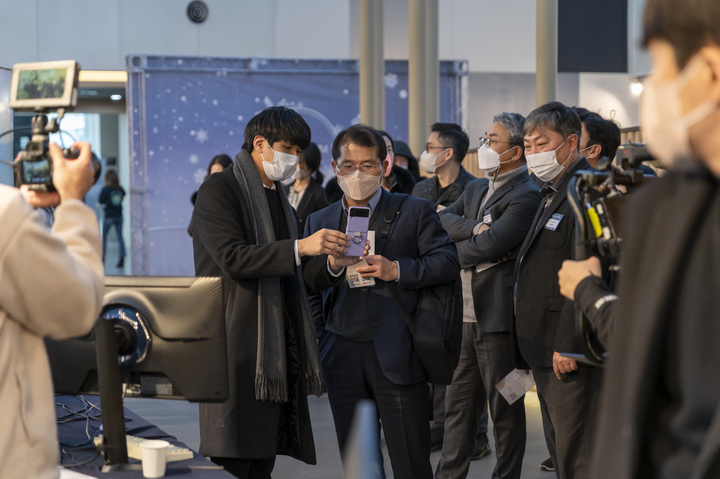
589, 345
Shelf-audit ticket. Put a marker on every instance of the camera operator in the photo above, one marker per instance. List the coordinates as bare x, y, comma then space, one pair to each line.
659, 410
52, 285
581, 281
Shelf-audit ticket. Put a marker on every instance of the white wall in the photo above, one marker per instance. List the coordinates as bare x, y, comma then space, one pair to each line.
609, 94
494, 36
99, 34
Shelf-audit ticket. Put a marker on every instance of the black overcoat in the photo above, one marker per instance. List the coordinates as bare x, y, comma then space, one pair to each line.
661, 223
224, 245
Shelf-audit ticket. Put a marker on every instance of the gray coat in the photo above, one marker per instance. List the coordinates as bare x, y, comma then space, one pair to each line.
512, 209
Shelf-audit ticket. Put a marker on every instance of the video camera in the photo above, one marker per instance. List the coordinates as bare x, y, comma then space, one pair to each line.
43, 87
599, 206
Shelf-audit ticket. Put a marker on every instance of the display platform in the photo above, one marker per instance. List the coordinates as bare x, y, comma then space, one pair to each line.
79, 423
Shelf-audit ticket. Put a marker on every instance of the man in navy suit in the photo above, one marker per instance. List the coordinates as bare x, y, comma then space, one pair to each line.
365, 348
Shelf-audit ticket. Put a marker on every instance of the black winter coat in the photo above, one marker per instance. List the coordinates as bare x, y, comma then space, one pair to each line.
224, 245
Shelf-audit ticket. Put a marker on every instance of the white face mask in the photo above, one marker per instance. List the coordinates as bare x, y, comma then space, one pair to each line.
281, 167
427, 161
359, 186
665, 128
489, 159
301, 174
545, 165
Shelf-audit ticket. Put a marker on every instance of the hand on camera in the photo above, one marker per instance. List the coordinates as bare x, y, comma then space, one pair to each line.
72, 178
379, 267
572, 272
563, 365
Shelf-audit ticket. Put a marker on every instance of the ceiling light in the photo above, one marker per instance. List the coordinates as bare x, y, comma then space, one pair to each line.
116, 97
636, 87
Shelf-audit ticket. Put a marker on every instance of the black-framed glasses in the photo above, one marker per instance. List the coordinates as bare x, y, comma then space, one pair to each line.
347, 169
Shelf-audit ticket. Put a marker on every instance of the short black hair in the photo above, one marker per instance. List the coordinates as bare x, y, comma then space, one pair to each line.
221, 159
387, 135
687, 26
605, 133
277, 123
312, 157
451, 135
361, 135
555, 117
583, 113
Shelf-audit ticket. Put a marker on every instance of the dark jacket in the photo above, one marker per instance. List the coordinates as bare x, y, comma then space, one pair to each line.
429, 189
224, 245
401, 180
544, 319
512, 209
426, 257
661, 222
313, 200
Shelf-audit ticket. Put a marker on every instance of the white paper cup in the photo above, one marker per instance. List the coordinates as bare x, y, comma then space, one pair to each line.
154, 457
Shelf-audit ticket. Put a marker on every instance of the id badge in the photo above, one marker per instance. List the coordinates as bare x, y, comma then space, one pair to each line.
554, 222
352, 276
487, 217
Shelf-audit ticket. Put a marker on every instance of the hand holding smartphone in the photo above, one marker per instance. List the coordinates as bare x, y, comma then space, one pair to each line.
357, 228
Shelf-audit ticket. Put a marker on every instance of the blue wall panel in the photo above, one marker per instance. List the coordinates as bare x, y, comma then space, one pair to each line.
184, 110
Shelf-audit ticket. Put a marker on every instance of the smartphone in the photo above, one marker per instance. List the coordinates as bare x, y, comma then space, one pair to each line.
357, 228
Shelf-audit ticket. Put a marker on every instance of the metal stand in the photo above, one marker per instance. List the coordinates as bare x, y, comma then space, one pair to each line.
114, 446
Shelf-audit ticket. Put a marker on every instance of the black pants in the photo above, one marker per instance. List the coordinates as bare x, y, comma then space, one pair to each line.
246, 468
569, 411
485, 359
352, 372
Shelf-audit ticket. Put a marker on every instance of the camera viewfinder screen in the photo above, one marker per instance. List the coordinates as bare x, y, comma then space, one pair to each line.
36, 172
39, 84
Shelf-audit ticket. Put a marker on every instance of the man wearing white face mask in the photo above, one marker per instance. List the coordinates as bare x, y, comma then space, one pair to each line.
490, 219
659, 413
544, 320
366, 350
444, 153
245, 231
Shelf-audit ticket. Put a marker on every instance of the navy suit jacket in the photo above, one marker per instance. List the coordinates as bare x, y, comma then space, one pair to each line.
426, 257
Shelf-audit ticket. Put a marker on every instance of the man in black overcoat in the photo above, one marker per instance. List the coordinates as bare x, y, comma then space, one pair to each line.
245, 231
659, 411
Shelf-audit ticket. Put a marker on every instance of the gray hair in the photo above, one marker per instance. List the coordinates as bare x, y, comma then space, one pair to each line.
513, 123
556, 117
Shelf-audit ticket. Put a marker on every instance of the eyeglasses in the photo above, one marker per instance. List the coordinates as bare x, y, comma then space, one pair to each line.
429, 147
347, 169
487, 141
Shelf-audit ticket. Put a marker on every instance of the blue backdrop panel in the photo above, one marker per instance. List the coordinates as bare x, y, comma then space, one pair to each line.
182, 111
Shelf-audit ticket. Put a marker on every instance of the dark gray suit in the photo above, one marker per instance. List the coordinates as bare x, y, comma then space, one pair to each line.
486, 356
544, 324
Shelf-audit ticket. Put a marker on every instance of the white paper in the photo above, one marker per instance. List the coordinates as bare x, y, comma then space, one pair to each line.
515, 385
353, 277
70, 474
